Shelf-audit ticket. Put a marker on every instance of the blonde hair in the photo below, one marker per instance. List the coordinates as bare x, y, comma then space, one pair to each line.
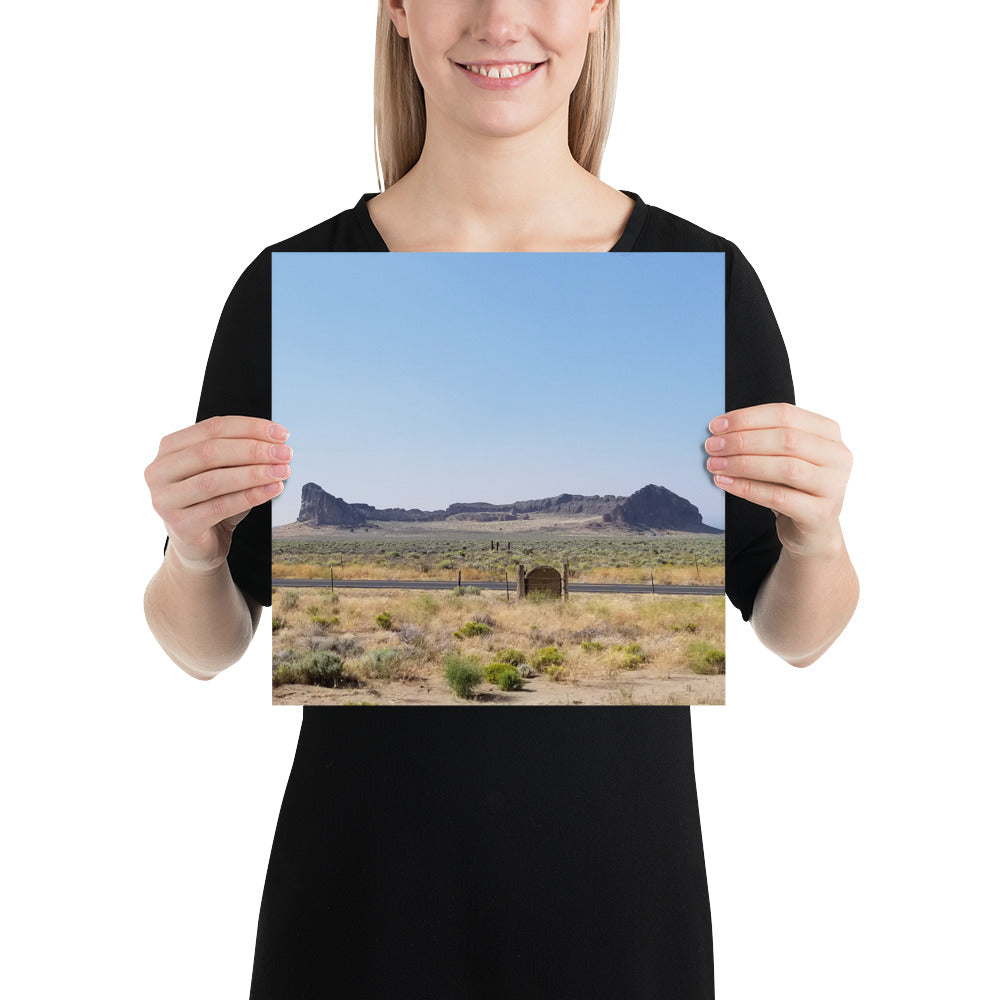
401, 119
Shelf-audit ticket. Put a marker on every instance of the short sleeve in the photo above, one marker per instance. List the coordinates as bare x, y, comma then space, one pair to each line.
238, 382
757, 371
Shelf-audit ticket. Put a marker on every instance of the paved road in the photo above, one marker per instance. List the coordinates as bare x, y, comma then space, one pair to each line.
574, 588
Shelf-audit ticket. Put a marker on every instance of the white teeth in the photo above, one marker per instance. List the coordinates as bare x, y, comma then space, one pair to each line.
501, 72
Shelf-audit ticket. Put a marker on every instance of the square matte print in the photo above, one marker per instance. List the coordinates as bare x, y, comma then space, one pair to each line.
498, 491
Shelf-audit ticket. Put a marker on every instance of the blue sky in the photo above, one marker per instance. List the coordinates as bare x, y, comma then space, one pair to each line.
422, 379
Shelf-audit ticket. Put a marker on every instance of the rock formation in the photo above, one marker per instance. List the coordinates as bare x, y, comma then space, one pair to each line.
653, 508
320, 508
657, 508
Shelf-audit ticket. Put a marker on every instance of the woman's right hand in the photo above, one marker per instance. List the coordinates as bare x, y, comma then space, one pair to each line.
206, 478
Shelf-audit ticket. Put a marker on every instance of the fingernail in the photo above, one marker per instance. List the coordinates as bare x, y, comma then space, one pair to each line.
280, 471
272, 489
715, 464
281, 452
725, 480
278, 432
718, 425
715, 444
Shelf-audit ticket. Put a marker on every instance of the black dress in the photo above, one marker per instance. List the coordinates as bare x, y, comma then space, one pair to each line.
547, 853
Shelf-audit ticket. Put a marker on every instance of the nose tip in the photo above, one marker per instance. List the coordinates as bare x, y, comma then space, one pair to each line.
498, 21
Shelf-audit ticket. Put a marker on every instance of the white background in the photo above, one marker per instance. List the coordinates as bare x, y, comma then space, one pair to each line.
153, 150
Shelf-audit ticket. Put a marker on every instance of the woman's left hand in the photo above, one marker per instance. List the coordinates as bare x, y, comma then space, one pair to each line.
787, 459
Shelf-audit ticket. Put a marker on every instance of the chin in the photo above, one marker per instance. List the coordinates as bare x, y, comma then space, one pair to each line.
504, 125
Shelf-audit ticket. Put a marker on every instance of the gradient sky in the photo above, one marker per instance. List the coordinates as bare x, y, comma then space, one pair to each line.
423, 379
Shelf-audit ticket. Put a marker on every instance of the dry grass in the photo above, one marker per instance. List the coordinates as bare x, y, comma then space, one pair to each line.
375, 571
662, 576
615, 627
671, 576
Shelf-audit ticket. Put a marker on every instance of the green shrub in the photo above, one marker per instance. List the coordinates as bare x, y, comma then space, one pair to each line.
384, 620
383, 663
323, 668
463, 591
326, 621
289, 600
463, 674
592, 647
278, 623
511, 656
628, 657
470, 629
508, 679
284, 674
547, 656
554, 671
493, 670
705, 659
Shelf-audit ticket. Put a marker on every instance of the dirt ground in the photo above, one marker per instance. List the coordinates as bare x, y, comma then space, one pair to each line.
633, 687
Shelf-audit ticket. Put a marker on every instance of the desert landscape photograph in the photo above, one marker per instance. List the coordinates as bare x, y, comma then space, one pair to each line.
498, 498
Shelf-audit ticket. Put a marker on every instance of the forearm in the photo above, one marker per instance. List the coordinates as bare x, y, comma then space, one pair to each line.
201, 619
805, 602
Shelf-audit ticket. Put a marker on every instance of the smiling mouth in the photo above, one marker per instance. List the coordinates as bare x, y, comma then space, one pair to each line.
502, 71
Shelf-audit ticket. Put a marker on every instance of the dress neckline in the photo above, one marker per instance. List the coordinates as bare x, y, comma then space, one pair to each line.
626, 241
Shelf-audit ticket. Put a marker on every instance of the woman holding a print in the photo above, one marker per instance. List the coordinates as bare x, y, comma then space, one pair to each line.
384, 880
